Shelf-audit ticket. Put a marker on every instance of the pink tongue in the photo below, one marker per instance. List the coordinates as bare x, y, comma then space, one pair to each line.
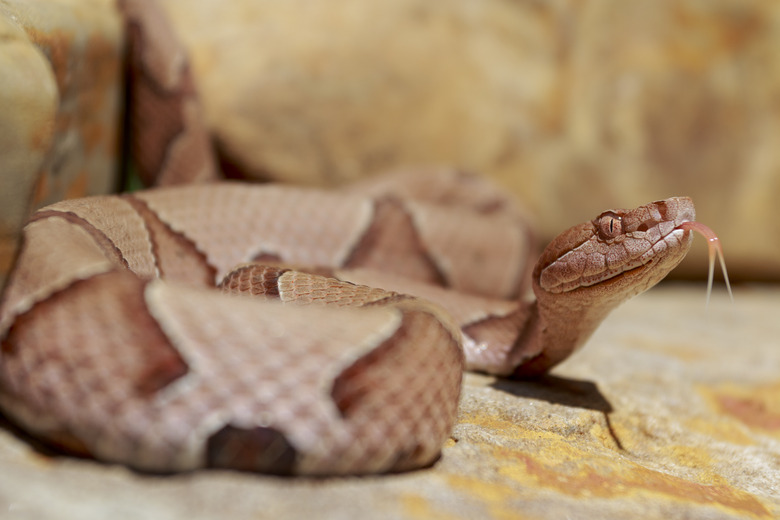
713, 243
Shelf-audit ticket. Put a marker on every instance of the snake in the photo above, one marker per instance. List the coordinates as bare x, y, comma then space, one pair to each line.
174, 328
289, 330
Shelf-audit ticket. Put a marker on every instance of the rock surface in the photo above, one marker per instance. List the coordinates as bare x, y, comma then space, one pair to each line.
61, 97
25, 132
575, 106
669, 412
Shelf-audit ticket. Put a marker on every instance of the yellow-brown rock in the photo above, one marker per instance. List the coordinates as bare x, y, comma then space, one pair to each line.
28, 97
60, 93
575, 106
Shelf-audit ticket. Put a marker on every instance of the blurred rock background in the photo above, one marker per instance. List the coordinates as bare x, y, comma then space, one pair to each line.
575, 106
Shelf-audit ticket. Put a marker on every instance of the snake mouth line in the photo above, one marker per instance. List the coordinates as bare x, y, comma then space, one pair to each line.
630, 268
645, 260
614, 278
605, 280
622, 274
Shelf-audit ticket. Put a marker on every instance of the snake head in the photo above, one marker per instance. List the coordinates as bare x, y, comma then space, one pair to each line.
590, 269
619, 254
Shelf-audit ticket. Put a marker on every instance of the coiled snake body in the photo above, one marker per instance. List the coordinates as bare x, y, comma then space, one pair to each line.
147, 329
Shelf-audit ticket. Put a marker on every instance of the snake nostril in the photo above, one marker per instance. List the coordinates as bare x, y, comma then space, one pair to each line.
643, 227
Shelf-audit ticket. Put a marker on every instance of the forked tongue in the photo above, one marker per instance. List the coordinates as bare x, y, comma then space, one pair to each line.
713, 243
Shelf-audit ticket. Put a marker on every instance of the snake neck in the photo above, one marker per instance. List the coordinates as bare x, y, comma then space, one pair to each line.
557, 326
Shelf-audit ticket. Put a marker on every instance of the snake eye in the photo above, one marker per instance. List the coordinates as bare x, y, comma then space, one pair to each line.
609, 225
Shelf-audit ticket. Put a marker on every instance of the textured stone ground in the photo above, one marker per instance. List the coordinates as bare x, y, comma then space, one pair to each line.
670, 412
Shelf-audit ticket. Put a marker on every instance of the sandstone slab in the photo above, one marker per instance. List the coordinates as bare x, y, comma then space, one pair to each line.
61, 96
